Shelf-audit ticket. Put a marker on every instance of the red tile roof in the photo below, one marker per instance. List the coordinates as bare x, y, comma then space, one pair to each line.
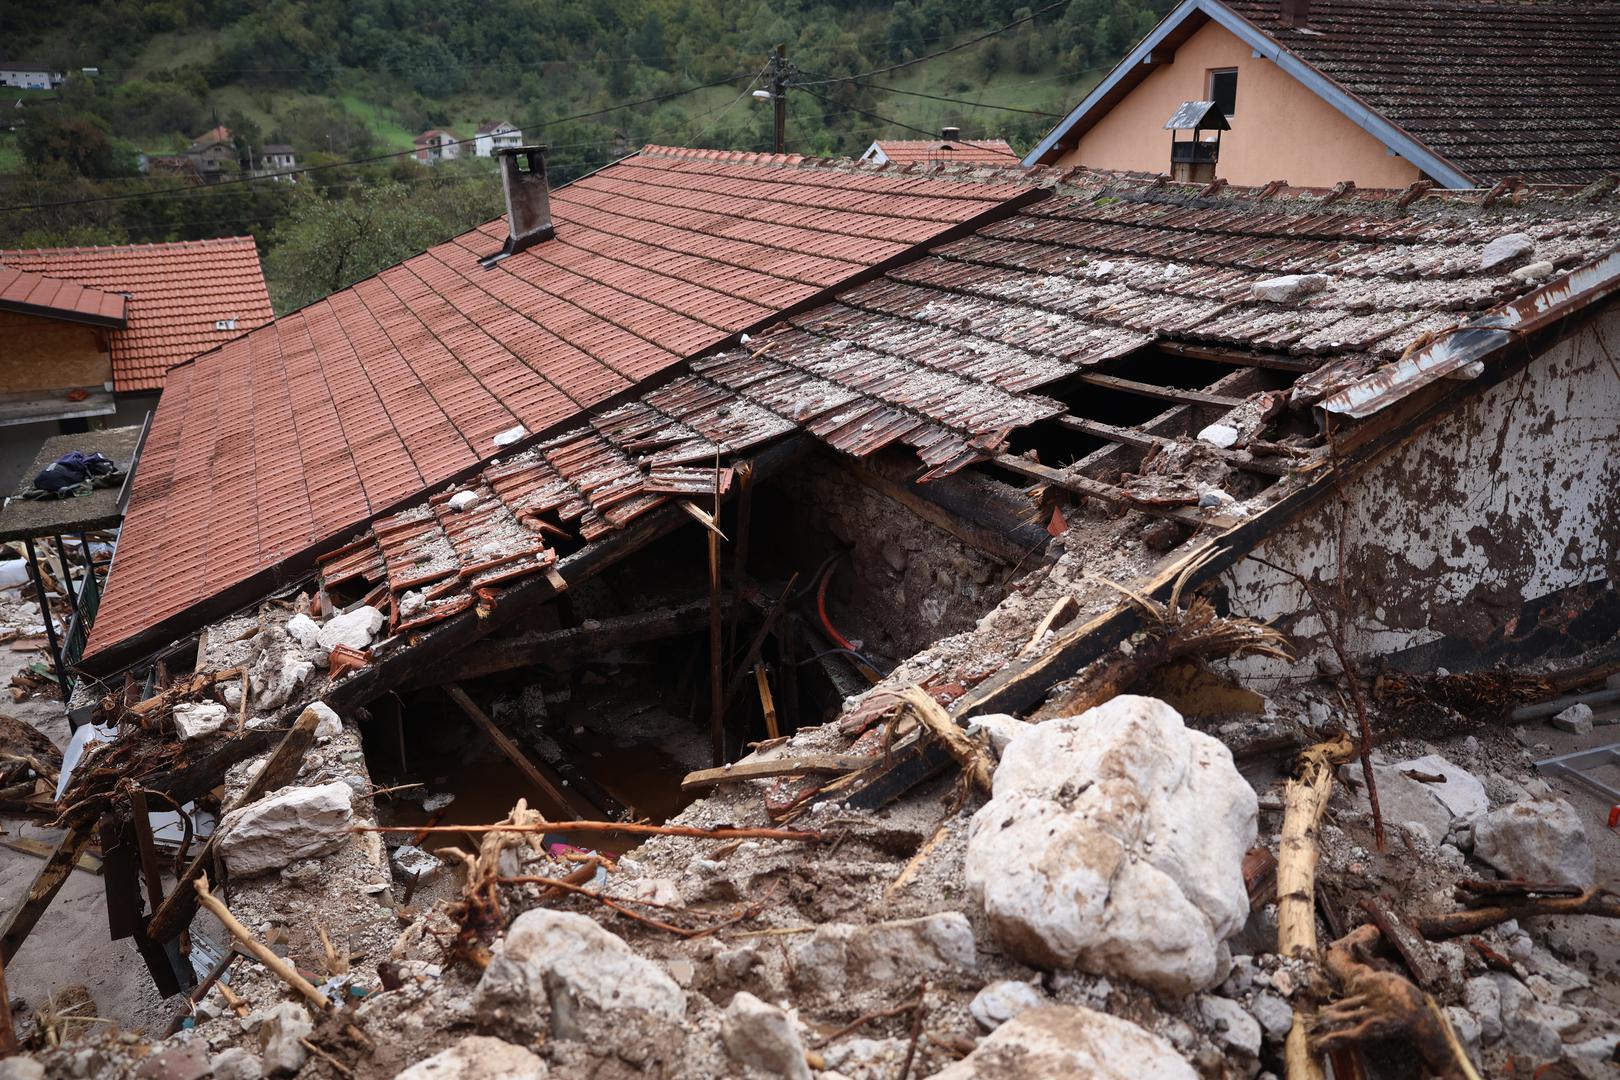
1497, 88
288, 437
960, 151
36, 294
178, 293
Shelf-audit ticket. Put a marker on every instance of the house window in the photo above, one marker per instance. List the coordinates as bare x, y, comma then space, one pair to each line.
1223, 90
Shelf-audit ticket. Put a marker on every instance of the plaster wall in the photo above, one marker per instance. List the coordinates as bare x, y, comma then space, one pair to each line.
1280, 131
1492, 533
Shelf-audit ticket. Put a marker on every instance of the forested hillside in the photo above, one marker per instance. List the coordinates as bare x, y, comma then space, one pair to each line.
343, 80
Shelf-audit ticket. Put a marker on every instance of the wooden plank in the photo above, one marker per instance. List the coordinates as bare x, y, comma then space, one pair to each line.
150, 867
1096, 489
1143, 441
717, 696
559, 649
995, 531
808, 765
766, 703
87, 862
1163, 393
280, 769
1299, 365
554, 789
47, 883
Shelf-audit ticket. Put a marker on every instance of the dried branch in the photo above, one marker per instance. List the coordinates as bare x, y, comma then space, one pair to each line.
1602, 902
1382, 1004
719, 832
261, 952
618, 904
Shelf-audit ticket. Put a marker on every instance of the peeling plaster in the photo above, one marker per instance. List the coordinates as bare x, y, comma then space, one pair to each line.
1513, 497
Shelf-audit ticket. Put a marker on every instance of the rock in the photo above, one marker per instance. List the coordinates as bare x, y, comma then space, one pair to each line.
21, 1068
1114, 843
277, 678
478, 1057
762, 1036
188, 1061
998, 728
509, 436
1533, 271
194, 720
1467, 1028
236, 1063
306, 631
840, 955
352, 628
1505, 249
1234, 1028
1222, 436
463, 500
286, 825
653, 891
563, 968
328, 725
1538, 840
1462, 793
1067, 1040
1525, 1031
1599, 1048
1275, 1015
1001, 1001
1406, 802
1577, 719
411, 863
279, 1030
1280, 290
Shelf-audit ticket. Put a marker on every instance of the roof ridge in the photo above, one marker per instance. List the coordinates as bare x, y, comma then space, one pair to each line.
212, 241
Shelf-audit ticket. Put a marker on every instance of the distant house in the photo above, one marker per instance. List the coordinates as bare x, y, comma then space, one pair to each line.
28, 76
89, 333
436, 145
498, 135
277, 157
1463, 93
950, 146
213, 153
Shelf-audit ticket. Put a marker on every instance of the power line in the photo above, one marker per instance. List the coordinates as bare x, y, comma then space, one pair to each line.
908, 127
378, 157
957, 101
954, 48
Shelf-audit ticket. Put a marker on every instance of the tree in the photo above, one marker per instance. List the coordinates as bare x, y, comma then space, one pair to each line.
328, 244
80, 141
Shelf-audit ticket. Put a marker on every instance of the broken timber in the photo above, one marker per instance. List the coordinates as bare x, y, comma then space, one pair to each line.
45, 886
558, 648
1096, 489
809, 765
553, 788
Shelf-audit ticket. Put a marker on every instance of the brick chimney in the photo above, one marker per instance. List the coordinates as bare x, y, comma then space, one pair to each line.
528, 199
1296, 13
951, 134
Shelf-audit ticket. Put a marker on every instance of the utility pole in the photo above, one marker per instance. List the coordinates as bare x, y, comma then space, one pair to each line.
779, 75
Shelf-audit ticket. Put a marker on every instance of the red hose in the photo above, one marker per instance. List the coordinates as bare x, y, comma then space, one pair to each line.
821, 609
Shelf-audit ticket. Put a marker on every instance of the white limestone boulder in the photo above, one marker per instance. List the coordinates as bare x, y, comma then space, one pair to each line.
1537, 840
1114, 843
560, 970
353, 628
1068, 1040
327, 724
1280, 290
840, 955
1505, 249
761, 1036
478, 1057
196, 720
285, 826
1003, 1000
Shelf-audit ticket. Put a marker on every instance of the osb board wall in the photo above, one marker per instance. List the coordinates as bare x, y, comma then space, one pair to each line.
1500, 522
48, 354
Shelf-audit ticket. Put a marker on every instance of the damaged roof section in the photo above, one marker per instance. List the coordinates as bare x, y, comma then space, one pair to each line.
348, 408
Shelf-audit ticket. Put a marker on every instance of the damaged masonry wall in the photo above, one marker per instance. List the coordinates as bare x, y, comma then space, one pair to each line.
1473, 535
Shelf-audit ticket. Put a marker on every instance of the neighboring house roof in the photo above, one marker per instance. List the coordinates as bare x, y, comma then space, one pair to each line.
211, 136
178, 293
946, 354
494, 128
967, 151
281, 442
277, 149
26, 65
35, 294
1469, 91
437, 135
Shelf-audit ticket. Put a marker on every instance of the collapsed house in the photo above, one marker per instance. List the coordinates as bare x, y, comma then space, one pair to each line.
712, 453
